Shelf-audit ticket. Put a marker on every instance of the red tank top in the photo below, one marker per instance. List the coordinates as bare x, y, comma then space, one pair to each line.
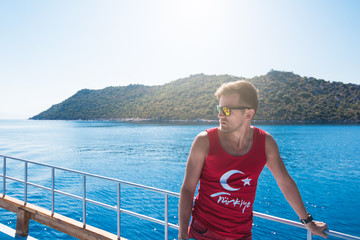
226, 194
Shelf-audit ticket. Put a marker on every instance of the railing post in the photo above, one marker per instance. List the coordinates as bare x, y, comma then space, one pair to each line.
118, 213
309, 235
52, 191
166, 217
84, 201
25, 182
4, 176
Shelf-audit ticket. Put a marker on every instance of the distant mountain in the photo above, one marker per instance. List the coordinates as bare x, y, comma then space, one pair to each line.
284, 97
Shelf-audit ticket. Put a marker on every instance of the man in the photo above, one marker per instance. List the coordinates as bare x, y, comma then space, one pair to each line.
228, 161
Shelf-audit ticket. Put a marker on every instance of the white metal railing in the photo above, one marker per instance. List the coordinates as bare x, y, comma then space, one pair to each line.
117, 208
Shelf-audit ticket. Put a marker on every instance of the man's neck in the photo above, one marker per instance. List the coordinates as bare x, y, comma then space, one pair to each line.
238, 140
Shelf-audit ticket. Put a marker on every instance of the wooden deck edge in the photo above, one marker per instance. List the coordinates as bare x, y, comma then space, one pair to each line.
57, 221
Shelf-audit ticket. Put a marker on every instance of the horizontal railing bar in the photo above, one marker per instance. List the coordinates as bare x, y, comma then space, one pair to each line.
87, 200
341, 235
151, 219
29, 183
68, 194
277, 219
132, 213
300, 225
174, 226
45, 188
101, 204
39, 186
97, 176
15, 179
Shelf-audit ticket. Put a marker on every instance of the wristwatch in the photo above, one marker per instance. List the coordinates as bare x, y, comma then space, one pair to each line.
307, 220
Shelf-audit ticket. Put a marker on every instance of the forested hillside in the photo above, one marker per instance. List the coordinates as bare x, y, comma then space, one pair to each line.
284, 97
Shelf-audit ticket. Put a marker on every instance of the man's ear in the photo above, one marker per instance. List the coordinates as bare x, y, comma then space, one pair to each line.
249, 114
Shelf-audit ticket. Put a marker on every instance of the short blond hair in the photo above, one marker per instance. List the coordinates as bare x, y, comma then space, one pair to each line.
247, 92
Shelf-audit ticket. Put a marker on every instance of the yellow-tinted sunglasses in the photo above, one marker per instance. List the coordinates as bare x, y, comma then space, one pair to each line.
227, 110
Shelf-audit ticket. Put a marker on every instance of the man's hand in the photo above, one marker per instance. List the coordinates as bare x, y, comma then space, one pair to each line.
317, 228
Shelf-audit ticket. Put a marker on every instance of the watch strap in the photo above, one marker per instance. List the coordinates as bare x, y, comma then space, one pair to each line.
307, 220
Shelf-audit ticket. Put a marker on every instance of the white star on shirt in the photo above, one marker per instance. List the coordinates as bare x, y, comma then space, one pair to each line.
246, 181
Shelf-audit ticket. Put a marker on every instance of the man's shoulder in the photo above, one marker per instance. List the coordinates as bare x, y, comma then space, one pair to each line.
260, 131
202, 140
270, 144
212, 130
269, 139
204, 135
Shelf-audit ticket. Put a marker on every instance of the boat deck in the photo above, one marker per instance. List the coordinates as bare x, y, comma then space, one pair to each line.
7, 233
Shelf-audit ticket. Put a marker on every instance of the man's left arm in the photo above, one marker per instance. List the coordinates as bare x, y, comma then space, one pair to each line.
288, 186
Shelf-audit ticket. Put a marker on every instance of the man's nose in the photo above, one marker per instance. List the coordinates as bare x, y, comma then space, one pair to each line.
221, 114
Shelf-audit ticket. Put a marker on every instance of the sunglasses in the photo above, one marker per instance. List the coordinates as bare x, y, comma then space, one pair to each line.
227, 110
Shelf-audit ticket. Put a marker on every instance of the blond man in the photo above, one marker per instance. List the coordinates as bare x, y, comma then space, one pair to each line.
227, 160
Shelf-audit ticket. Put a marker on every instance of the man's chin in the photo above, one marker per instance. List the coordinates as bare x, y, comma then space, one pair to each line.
224, 128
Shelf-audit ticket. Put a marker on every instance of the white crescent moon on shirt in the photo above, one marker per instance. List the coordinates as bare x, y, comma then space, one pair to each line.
224, 178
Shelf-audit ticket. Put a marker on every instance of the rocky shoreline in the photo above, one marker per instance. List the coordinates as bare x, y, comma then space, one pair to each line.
211, 121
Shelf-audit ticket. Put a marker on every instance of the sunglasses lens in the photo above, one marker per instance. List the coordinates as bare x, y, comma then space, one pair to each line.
226, 111
223, 110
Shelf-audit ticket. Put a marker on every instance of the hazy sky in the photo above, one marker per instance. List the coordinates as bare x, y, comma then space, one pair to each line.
51, 49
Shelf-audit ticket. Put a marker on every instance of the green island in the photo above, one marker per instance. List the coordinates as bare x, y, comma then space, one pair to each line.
284, 98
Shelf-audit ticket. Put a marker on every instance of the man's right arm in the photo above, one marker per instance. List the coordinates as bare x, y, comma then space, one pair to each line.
197, 156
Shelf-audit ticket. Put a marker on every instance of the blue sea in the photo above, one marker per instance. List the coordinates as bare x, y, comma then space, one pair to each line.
324, 161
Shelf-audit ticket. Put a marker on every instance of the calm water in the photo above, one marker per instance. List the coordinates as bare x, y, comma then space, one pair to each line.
324, 160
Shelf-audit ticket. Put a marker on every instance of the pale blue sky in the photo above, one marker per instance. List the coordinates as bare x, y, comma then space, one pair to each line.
51, 49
